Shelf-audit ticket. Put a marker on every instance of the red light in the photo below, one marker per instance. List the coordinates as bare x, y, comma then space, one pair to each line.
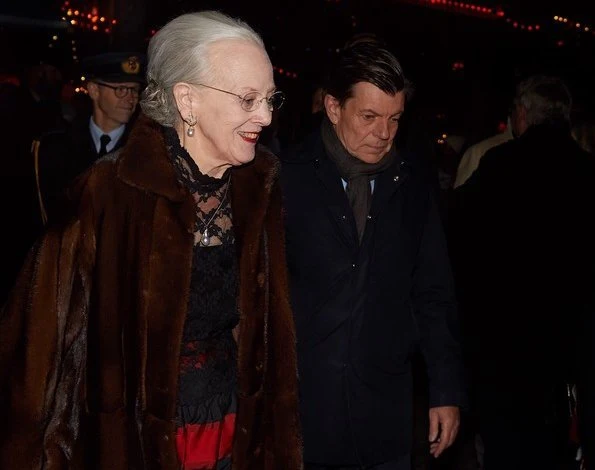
501, 126
530, 28
537, 27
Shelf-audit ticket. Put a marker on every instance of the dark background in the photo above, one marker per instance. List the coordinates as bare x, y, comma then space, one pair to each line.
471, 99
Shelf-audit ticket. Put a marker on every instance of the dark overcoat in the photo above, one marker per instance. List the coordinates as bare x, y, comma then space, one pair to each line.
523, 247
362, 310
90, 338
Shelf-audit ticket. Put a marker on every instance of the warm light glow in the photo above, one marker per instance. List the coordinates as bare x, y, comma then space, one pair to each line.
55, 38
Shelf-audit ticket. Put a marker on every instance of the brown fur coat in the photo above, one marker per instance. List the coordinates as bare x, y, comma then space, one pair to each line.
90, 338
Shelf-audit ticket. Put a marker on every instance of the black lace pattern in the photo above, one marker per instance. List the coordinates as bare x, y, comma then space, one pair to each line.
213, 205
207, 401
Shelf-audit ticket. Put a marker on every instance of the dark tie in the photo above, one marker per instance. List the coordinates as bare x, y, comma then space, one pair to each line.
104, 139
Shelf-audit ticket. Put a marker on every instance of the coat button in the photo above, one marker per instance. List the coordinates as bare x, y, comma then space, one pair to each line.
396, 178
259, 366
343, 217
354, 265
244, 430
369, 217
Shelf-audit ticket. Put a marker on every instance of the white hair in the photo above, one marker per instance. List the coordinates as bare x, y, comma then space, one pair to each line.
178, 52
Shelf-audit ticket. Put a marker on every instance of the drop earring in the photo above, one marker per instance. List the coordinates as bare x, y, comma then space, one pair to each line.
191, 124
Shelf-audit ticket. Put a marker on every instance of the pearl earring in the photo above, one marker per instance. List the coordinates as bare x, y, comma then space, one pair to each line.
191, 124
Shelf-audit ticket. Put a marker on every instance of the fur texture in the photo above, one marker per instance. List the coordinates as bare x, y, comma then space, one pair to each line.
90, 339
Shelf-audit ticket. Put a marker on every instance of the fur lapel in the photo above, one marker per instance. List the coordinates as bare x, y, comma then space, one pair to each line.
144, 164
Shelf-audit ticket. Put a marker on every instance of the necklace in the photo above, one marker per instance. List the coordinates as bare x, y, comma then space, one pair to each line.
205, 238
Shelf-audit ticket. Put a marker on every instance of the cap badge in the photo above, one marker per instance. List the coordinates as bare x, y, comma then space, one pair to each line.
131, 65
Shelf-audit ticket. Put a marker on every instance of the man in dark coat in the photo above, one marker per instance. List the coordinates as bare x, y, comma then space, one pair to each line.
523, 249
369, 276
114, 81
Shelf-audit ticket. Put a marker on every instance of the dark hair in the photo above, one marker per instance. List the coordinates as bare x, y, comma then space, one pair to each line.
364, 61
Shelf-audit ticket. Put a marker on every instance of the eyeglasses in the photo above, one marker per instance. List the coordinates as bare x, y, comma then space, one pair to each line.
121, 91
251, 101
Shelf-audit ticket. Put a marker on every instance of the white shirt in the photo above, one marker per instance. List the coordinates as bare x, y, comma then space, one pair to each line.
96, 134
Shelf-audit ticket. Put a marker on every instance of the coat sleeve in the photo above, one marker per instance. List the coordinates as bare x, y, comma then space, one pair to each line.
435, 308
42, 354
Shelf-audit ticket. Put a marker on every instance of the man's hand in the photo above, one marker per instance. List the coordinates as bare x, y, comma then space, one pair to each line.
444, 426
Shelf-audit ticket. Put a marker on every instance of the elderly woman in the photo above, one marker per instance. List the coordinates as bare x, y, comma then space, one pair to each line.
151, 328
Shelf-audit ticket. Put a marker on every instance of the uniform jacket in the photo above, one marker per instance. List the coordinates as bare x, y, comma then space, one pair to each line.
90, 338
361, 311
63, 155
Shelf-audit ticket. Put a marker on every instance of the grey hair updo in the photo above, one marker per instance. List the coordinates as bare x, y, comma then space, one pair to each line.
178, 53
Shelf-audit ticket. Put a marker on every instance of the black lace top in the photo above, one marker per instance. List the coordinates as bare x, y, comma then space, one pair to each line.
207, 382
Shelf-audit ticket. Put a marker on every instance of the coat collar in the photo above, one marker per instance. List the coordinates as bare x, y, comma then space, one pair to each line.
144, 164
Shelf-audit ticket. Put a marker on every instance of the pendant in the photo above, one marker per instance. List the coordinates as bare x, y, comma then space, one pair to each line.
205, 240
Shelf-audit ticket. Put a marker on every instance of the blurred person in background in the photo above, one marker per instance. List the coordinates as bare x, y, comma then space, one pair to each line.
522, 245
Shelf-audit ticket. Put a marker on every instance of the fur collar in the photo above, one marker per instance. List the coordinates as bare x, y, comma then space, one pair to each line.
144, 163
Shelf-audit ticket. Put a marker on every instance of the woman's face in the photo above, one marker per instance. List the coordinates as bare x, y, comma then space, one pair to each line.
225, 133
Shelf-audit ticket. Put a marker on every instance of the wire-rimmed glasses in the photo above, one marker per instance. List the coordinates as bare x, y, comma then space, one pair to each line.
121, 91
251, 101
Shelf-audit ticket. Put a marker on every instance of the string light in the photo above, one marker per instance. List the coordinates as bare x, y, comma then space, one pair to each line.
573, 24
474, 9
88, 20
285, 73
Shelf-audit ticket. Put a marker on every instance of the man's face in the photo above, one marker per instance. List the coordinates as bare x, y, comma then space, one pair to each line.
109, 110
367, 122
